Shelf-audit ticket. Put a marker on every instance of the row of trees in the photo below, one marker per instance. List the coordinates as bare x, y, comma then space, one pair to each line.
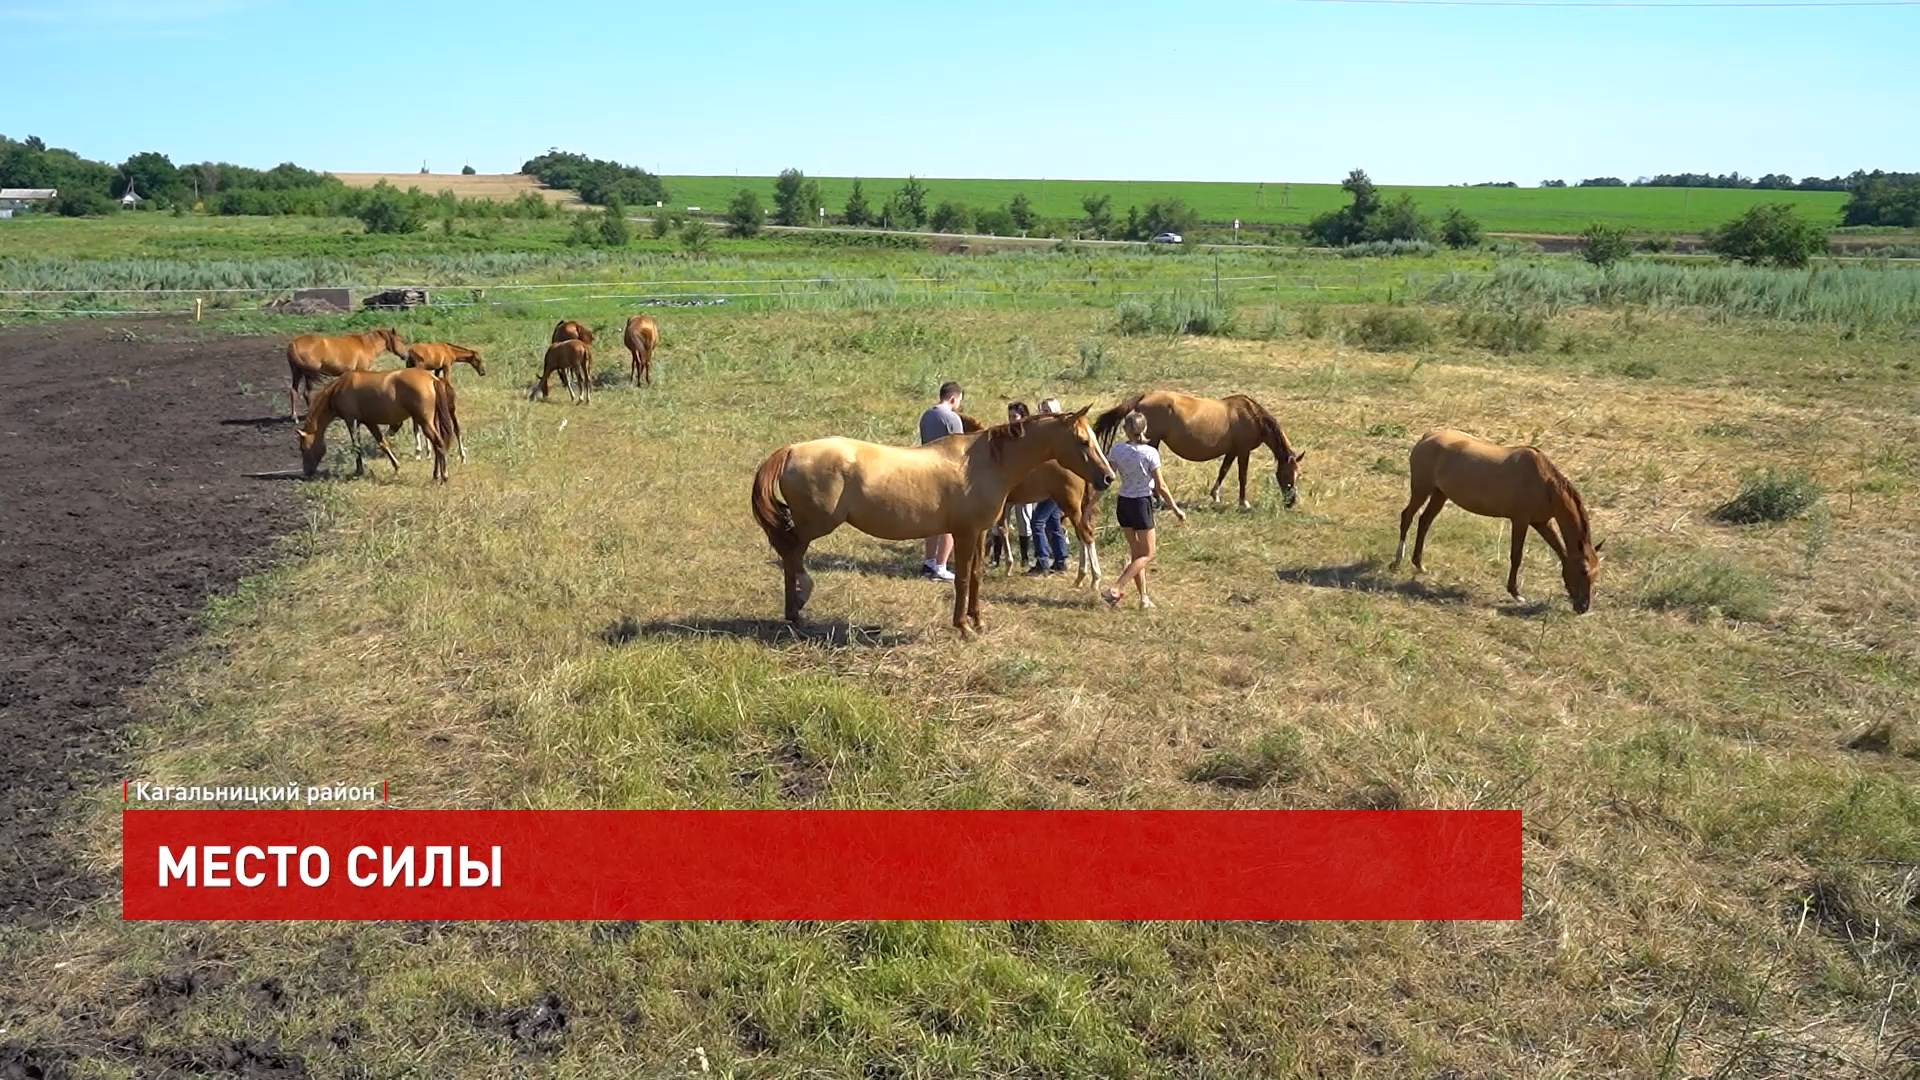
1370, 219
1772, 234
1769, 182
599, 182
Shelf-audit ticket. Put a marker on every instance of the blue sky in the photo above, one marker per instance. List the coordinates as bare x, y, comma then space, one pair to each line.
1275, 90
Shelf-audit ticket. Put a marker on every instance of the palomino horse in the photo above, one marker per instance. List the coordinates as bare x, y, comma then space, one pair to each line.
380, 399
1517, 483
568, 330
440, 356
642, 335
572, 356
1201, 429
312, 359
956, 485
1077, 499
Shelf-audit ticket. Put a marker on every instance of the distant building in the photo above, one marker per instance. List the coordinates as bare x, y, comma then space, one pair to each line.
132, 198
16, 198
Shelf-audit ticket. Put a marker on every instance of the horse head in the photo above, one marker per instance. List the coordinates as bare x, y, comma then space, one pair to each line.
313, 447
1578, 570
391, 339
1287, 472
1083, 454
474, 359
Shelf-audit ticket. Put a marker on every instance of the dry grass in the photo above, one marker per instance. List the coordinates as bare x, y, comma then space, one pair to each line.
1713, 881
499, 187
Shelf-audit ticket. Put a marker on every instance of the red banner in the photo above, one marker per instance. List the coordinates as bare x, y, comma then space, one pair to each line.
821, 864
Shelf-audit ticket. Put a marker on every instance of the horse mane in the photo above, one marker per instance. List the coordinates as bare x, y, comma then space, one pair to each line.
321, 401
999, 435
1269, 426
1565, 489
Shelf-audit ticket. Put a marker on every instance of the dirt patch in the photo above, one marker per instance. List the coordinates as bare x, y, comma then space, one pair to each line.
124, 476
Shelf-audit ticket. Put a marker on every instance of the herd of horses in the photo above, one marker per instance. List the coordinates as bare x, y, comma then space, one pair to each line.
961, 484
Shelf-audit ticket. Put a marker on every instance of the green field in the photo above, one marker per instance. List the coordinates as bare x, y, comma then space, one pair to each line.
1715, 883
1555, 211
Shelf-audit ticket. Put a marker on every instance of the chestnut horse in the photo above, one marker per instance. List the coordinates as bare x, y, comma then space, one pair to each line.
1517, 483
380, 399
1201, 429
312, 359
642, 335
572, 356
568, 330
1077, 499
440, 356
957, 484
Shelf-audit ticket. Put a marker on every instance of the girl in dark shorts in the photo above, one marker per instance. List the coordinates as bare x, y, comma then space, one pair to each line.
1139, 467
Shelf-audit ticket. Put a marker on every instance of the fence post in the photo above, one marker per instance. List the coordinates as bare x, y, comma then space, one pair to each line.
1216, 279
196, 309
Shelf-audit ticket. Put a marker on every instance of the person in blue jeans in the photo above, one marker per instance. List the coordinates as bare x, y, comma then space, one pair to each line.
1049, 536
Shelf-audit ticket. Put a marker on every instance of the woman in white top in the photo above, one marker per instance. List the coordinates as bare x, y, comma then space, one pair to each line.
1139, 467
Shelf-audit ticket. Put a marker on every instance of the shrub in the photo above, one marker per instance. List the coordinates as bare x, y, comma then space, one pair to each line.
583, 231
1393, 328
796, 199
696, 237
996, 222
1656, 244
1459, 230
1514, 330
856, 212
1276, 757
1313, 322
1099, 211
468, 170
614, 231
744, 216
84, 203
951, 217
911, 202
1767, 496
1166, 215
661, 224
1707, 584
1093, 360
1772, 233
1374, 249
1021, 211
1175, 314
1604, 245
388, 211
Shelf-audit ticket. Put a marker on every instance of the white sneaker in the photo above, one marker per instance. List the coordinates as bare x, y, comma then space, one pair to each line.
942, 573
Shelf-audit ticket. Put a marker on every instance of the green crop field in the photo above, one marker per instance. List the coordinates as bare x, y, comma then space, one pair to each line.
1718, 766
1555, 211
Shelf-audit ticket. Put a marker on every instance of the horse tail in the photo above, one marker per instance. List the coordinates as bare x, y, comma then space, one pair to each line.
1107, 424
774, 516
443, 419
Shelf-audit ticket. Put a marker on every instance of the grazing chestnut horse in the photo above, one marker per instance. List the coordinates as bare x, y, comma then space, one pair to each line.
440, 356
642, 335
1201, 429
379, 399
568, 330
572, 356
1517, 483
1077, 499
956, 485
312, 359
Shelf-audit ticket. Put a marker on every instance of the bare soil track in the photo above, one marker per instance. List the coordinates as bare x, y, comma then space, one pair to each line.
125, 503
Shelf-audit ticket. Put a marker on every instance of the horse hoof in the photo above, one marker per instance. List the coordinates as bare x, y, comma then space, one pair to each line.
1245, 505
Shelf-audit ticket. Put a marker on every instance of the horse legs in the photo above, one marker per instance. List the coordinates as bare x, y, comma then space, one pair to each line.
1213, 493
973, 590
799, 582
966, 571
353, 436
1244, 504
1513, 567
1426, 521
381, 441
1418, 496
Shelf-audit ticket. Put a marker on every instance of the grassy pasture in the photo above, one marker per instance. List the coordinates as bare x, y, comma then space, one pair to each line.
1715, 884
1556, 211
